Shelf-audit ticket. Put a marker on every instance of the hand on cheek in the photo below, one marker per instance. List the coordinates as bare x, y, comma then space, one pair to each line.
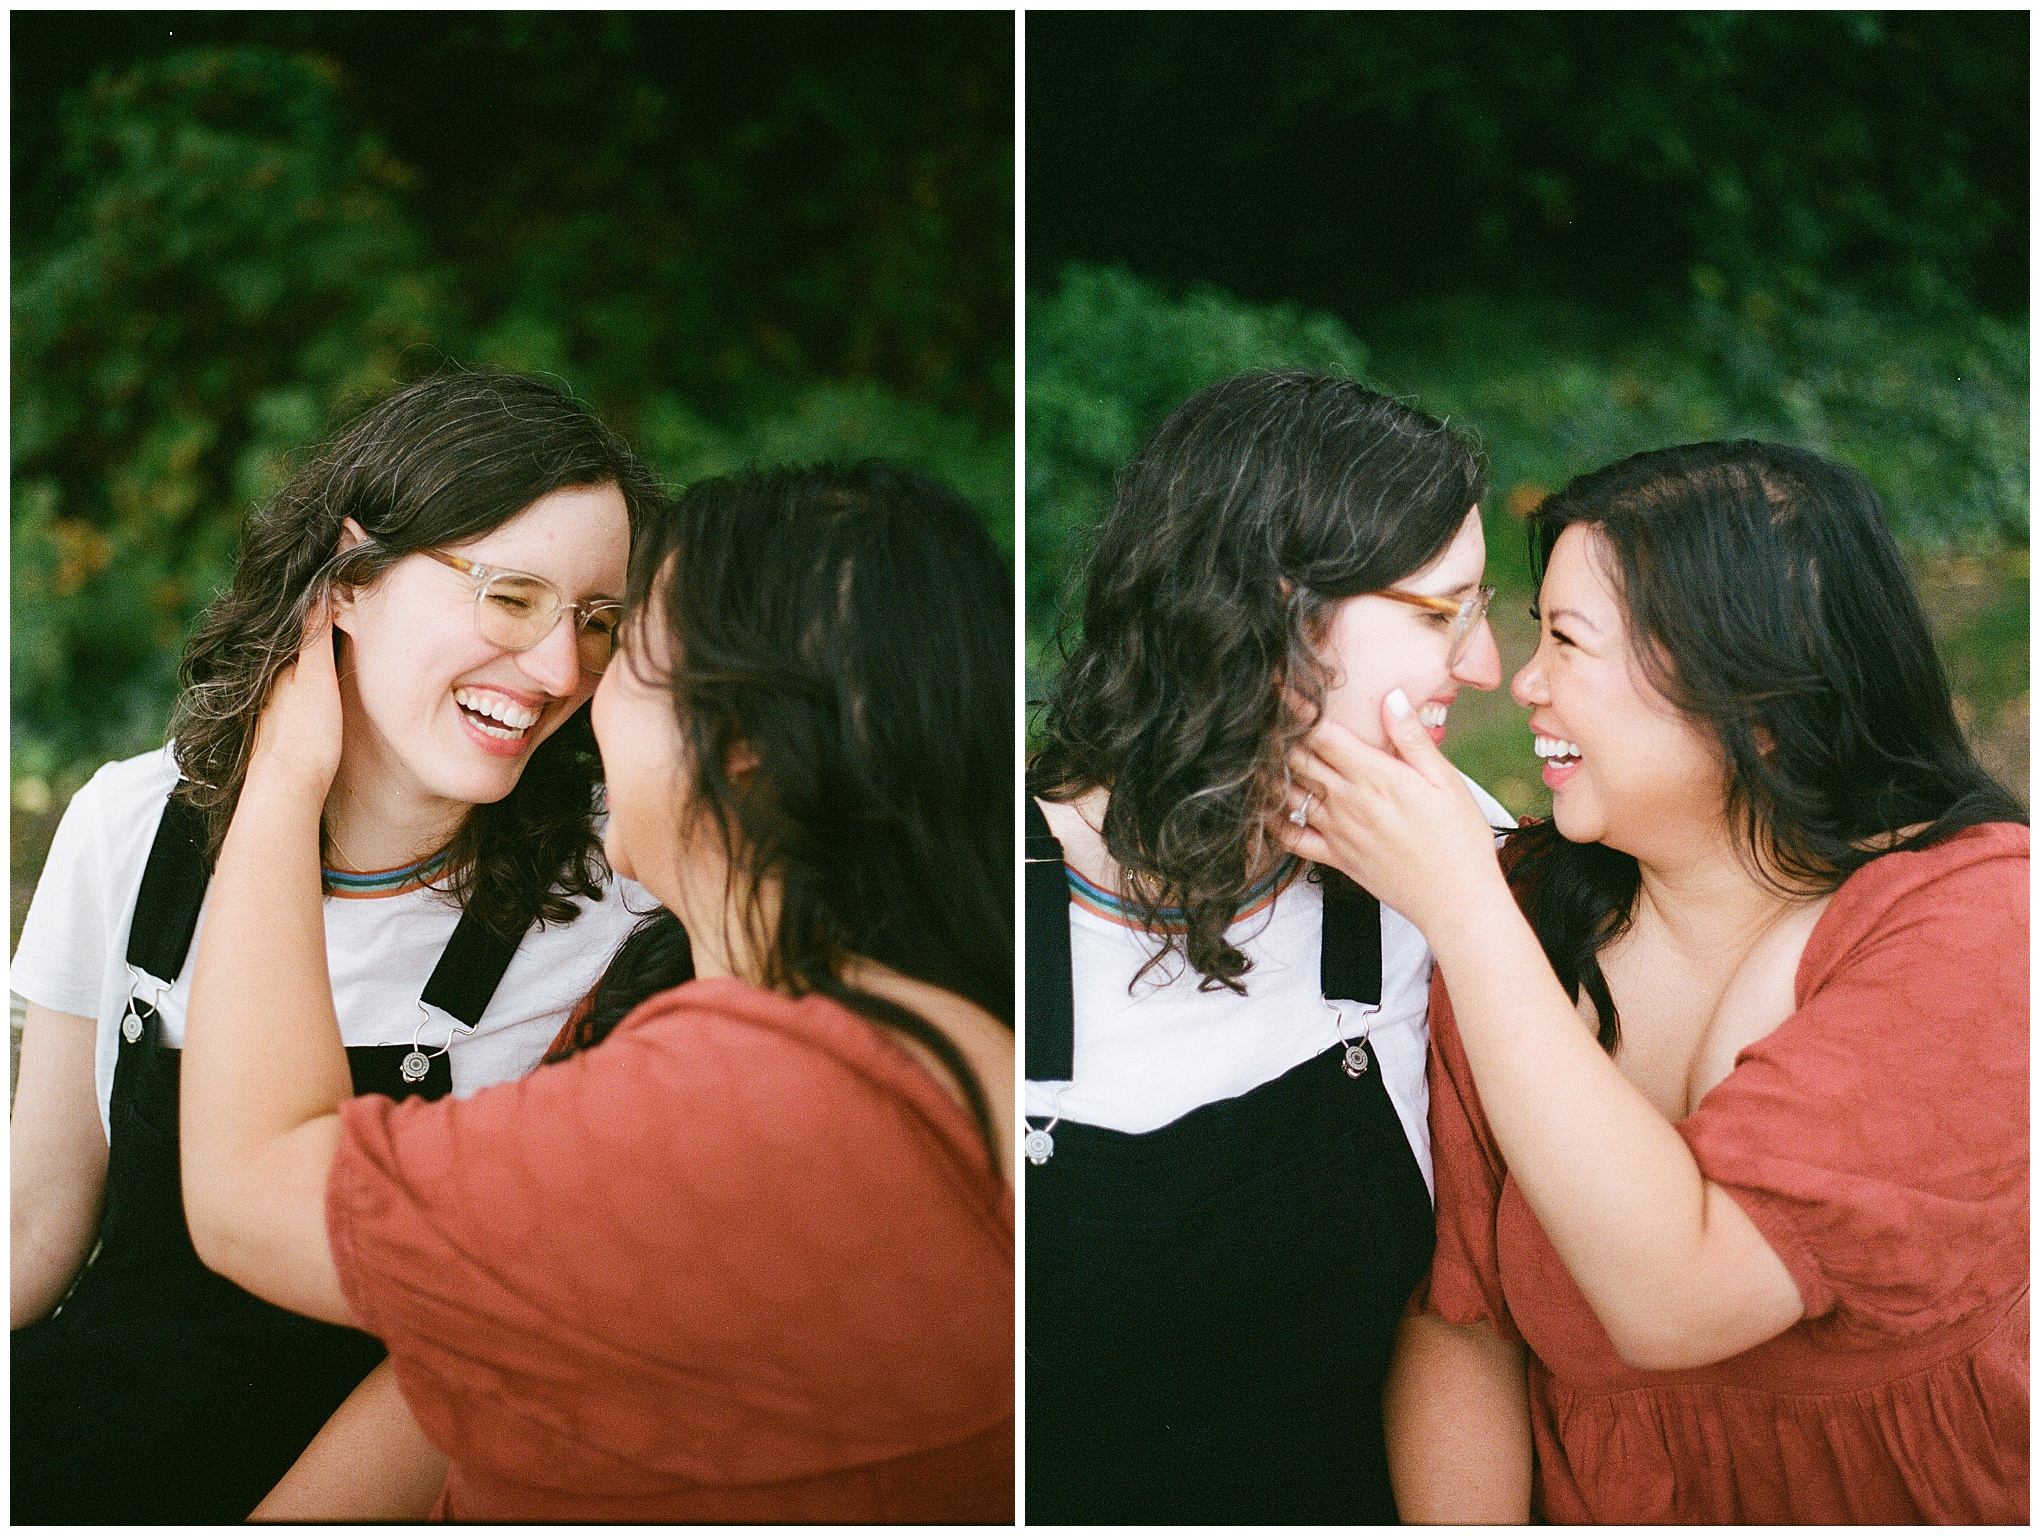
1402, 823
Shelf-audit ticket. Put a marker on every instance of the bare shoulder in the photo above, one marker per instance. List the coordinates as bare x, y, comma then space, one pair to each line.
985, 1042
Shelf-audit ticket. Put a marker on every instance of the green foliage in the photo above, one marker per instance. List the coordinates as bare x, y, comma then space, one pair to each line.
1861, 149
1932, 408
233, 269
1360, 162
739, 238
838, 421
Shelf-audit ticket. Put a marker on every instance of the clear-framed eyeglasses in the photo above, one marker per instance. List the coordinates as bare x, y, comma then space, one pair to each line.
515, 610
1466, 615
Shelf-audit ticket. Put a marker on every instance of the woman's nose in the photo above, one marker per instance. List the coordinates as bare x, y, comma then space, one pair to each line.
1527, 687
555, 662
1481, 664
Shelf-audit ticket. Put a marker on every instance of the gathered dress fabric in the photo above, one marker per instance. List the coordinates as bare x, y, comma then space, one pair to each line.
745, 1260
1878, 1138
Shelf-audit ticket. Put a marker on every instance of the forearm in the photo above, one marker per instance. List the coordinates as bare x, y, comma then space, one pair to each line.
57, 1162
264, 1070
42, 1262
1457, 1414
371, 1461
1673, 1270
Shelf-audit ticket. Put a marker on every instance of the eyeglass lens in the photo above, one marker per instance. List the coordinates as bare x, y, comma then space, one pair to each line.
1470, 614
517, 612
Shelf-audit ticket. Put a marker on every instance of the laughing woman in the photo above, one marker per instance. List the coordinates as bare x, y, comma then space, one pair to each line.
1731, 1119
1227, 1202
749, 1254
473, 531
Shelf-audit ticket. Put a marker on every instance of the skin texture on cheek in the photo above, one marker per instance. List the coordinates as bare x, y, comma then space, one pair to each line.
1373, 645
1353, 643
645, 766
1648, 778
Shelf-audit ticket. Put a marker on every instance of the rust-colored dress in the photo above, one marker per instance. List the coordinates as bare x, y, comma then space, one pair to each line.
1878, 1139
743, 1261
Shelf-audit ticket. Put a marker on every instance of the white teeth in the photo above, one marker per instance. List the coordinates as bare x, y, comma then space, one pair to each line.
514, 716
1556, 746
1431, 716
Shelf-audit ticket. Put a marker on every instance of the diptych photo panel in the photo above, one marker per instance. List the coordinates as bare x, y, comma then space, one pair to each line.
513, 767
1020, 768
1526, 768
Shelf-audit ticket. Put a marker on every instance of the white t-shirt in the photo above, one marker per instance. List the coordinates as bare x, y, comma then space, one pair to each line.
380, 950
1147, 1057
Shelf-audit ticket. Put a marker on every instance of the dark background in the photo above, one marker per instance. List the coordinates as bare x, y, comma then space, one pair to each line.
1358, 163
1579, 235
739, 237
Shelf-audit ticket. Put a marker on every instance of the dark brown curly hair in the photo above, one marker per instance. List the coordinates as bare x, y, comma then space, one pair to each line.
441, 461
848, 629
1258, 504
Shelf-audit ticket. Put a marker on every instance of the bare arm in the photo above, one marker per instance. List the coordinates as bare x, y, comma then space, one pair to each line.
57, 1146
264, 1072
1457, 1412
370, 1462
1675, 1271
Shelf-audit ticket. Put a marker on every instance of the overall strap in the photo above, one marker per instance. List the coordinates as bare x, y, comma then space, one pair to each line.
473, 963
173, 890
1349, 954
1051, 1008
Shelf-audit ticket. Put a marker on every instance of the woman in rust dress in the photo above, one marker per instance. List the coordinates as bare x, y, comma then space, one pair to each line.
1730, 1116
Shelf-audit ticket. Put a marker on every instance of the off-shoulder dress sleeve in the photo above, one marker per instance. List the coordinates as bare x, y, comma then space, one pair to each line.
1464, 1285
1878, 1138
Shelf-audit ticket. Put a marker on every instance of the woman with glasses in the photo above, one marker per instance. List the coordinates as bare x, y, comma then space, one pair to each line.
1730, 1118
1228, 1163
472, 534
745, 1252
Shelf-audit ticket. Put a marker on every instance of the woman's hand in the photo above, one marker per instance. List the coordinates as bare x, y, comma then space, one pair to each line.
1402, 824
297, 741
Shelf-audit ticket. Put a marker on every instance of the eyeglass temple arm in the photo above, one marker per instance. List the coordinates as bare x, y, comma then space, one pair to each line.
1418, 600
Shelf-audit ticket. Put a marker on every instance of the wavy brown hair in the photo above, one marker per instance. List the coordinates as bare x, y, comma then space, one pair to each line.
442, 461
1257, 505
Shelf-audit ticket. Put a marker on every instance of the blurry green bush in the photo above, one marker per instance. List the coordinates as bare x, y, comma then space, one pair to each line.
228, 257
234, 269
1932, 409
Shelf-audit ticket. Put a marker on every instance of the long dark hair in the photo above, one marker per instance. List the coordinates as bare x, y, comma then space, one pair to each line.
444, 460
850, 632
1768, 603
1256, 505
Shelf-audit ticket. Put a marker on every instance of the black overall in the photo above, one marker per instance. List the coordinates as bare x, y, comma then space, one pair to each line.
1211, 1306
160, 1391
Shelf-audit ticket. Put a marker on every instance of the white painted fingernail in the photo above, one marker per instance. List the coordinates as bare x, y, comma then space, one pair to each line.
1398, 703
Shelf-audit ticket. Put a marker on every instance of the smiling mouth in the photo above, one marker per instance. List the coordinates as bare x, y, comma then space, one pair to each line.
494, 715
1562, 753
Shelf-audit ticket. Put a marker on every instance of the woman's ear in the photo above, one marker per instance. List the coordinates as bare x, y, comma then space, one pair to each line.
342, 598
